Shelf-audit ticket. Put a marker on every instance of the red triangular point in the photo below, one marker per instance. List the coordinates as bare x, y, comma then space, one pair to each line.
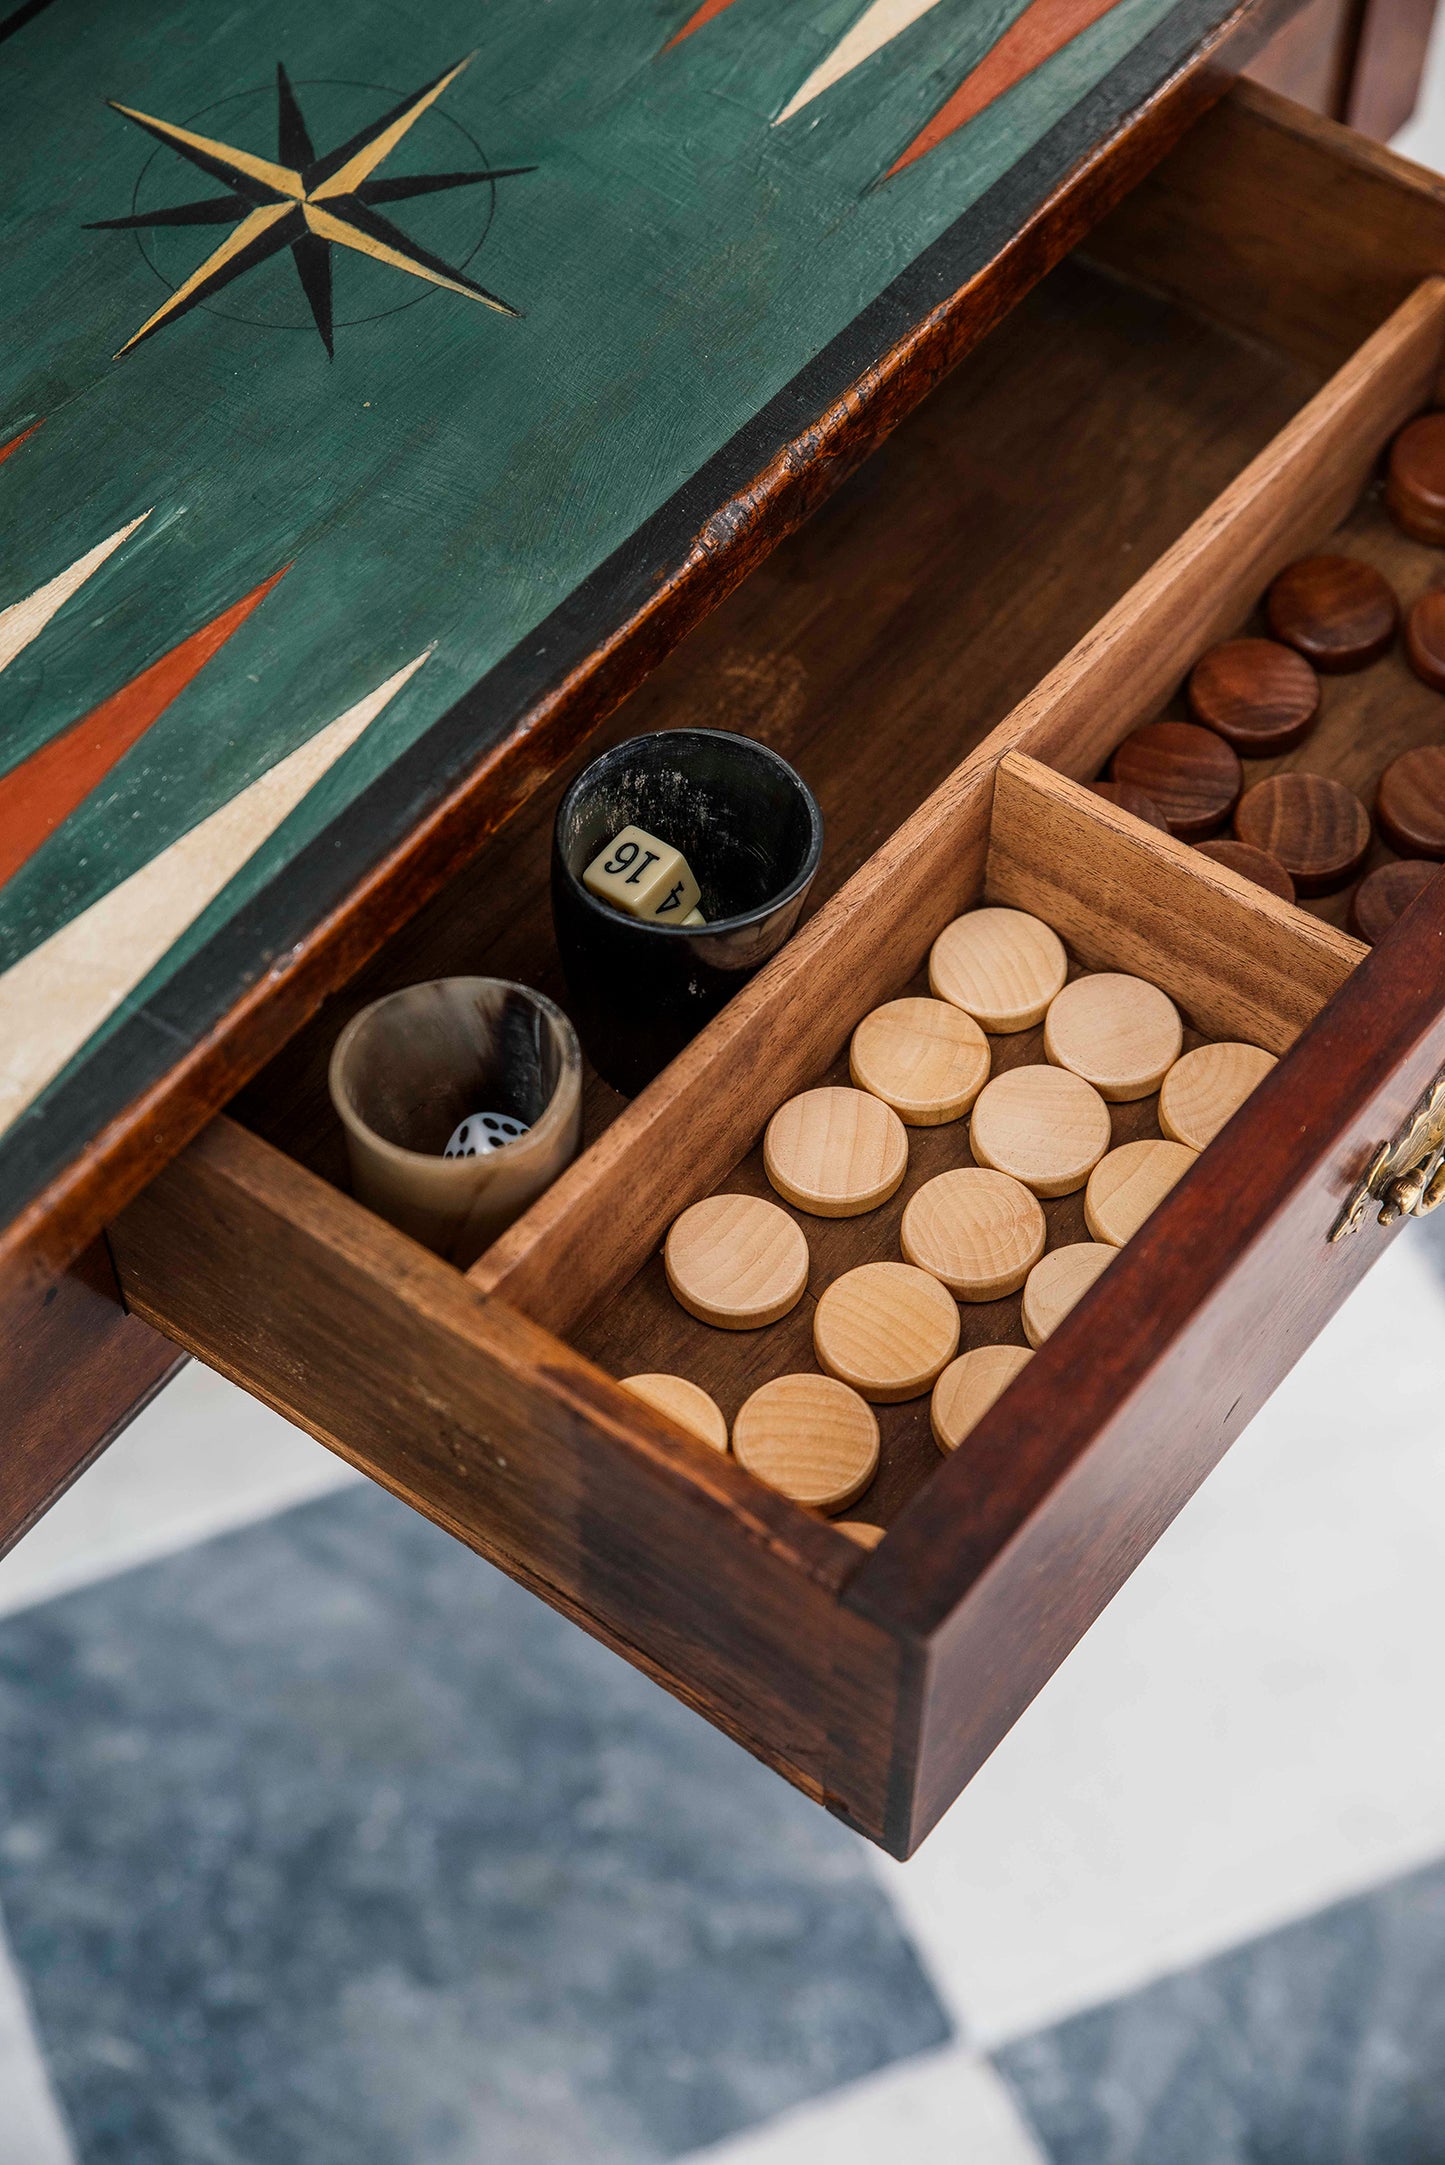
7, 450
695, 21
46, 788
1044, 28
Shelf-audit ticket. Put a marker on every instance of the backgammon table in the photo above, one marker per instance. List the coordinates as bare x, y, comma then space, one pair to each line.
402, 403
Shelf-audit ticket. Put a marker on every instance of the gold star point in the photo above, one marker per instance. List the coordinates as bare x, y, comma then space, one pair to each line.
311, 206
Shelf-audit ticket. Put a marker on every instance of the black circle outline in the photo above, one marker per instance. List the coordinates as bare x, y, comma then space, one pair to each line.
331, 82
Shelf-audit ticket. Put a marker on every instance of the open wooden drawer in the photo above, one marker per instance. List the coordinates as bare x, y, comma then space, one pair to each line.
1167, 399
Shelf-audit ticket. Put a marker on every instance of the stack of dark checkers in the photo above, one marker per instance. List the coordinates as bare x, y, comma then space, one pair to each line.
1296, 833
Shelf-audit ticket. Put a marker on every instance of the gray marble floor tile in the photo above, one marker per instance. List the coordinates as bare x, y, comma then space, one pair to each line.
322, 1844
1323, 2044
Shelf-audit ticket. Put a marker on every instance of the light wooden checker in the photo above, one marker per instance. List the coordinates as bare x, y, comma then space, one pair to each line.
1128, 1184
925, 1058
811, 1437
736, 1261
687, 1403
1054, 1285
1207, 1087
1120, 1033
1044, 1125
886, 1329
979, 1232
866, 1536
968, 1387
835, 1152
1000, 966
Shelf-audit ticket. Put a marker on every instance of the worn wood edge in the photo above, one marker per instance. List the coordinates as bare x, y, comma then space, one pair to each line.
1240, 962
1001, 1536
572, 1248
736, 537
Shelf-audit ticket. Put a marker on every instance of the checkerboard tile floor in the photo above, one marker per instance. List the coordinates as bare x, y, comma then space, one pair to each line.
319, 1840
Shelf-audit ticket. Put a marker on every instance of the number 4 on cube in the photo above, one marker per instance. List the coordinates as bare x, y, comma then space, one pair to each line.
644, 876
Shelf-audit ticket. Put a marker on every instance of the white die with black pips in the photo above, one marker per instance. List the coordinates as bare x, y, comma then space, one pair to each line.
480, 1133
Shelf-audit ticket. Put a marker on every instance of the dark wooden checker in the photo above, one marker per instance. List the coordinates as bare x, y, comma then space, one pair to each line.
1383, 897
1415, 486
1410, 802
1259, 696
1255, 864
1190, 773
1340, 613
1425, 638
1314, 826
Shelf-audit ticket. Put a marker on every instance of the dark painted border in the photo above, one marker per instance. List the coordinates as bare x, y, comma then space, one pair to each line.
137, 1055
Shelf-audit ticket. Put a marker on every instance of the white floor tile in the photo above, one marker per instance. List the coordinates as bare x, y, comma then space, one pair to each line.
1423, 137
947, 2108
203, 1457
31, 2129
1252, 1729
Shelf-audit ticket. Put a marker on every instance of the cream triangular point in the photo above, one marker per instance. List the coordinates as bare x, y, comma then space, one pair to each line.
884, 20
25, 620
57, 997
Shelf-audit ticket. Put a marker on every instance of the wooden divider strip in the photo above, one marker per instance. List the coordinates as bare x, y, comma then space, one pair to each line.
1241, 963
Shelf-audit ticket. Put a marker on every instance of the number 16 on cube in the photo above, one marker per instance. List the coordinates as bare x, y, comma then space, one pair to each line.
645, 877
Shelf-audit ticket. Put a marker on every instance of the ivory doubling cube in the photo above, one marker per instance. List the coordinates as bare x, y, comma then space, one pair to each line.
644, 876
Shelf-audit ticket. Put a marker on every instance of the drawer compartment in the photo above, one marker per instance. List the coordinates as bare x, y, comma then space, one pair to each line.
948, 652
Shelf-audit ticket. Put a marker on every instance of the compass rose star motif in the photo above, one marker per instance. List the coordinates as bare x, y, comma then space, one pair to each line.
306, 203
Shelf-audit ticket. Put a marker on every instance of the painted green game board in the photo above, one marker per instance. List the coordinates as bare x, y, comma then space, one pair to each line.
355, 359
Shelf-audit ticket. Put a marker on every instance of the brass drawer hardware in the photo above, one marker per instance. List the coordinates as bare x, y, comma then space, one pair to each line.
1406, 1176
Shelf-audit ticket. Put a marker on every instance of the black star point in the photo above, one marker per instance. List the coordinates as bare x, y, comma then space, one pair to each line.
306, 203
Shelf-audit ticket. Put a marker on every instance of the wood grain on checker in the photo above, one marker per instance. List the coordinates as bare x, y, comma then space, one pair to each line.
810, 1436
1043, 1125
736, 1262
684, 1403
1119, 1033
1425, 638
979, 1232
1128, 1184
1415, 484
1207, 1087
1338, 611
888, 1329
1059, 1283
866, 1536
969, 1386
925, 1058
1190, 773
1410, 803
1385, 894
1316, 827
1251, 864
1259, 696
1000, 966
835, 1153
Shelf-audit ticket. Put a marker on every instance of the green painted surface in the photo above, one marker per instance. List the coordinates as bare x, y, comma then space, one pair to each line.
452, 474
